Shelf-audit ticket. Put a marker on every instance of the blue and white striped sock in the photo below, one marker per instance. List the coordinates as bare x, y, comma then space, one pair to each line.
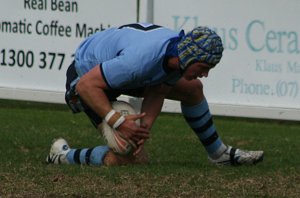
90, 156
200, 120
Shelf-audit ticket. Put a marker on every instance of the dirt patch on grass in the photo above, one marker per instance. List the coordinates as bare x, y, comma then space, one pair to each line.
148, 185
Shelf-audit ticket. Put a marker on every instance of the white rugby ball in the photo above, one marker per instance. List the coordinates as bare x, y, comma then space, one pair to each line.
112, 137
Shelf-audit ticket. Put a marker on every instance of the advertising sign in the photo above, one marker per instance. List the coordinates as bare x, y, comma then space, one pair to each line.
261, 62
39, 37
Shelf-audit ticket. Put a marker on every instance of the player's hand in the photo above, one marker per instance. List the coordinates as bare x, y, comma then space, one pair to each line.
140, 144
140, 147
131, 131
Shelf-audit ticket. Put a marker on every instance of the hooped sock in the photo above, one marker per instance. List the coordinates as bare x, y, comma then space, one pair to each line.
90, 156
200, 120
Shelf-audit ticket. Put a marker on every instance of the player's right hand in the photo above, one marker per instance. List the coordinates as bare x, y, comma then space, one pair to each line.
131, 131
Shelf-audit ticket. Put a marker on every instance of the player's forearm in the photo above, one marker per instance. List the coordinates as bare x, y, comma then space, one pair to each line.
152, 107
91, 88
94, 97
152, 104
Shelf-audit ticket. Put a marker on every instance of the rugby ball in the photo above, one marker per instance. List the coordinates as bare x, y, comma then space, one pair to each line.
112, 137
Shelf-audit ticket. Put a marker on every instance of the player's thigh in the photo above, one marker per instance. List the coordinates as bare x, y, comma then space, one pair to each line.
188, 92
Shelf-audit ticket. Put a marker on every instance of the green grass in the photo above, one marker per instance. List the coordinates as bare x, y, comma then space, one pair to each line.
178, 164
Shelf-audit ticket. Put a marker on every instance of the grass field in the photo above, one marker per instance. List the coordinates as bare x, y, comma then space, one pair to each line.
178, 164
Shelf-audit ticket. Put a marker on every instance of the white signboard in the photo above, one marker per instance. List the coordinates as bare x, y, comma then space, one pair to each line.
38, 39
259, 75
261, 63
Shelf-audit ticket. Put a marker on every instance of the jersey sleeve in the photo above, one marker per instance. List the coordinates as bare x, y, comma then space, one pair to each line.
118, 72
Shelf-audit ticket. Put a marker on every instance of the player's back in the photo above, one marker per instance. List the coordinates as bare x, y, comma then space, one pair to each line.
142, 40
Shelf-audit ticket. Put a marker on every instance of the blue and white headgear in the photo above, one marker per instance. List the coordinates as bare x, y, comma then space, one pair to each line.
201, 44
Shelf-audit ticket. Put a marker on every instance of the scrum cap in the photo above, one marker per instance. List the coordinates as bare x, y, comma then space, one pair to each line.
201, 44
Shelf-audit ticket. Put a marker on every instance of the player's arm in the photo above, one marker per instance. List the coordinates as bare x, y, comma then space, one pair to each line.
153, 101
91, 88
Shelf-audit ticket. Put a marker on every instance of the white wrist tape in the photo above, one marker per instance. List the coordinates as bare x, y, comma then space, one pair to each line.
119, 122
109, 115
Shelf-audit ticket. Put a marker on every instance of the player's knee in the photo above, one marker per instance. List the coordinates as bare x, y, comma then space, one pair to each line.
195, 89
193, 93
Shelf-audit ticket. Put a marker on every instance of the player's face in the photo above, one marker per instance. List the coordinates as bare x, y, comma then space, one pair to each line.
196, 70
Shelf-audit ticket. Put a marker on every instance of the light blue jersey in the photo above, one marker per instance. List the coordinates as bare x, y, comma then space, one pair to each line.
131, 56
